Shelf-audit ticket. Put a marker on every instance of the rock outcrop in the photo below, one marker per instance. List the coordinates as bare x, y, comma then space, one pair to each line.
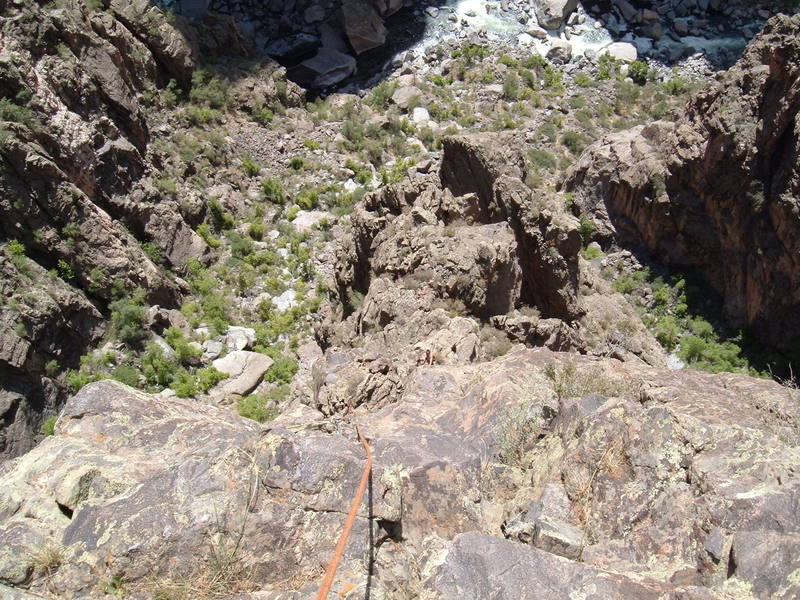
317, 40
86, 154
79, 187
463, 261
43, 321
717, 190
601, 475
65, 185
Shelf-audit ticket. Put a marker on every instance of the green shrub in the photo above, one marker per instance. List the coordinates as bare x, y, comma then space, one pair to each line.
220, 218
638, 71
157, 367
667, 332
507, 61
471, 53
15, 113
272, 191
83, 376
577, 102
166, 186
153, 252
126, 374
586, 229
250, 166
15, 248
241, 246
169, 95
215, 311
208, 89
312, 144
257, 407
591, 252
381, 95
542, 159
263, 115
282, 370
625, 285
298, 163
128, 317
204, 231
307, 199
51, 368
184, 352
627, 94
256, 231
676, 86
64, 270
184, 385
515, 432
49, 426
608, 66
209, 377
575, 142
548, 130
511, 86
397, 171
583, 80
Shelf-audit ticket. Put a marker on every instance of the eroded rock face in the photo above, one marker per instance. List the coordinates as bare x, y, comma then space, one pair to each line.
69, 182
452, 267
717, 190
65, 185
602, 475
76, 186
42, 320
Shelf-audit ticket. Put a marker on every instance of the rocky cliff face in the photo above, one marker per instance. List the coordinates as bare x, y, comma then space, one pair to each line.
527, 441
79, 192
65, 182
717, 190
458, 261
517, 477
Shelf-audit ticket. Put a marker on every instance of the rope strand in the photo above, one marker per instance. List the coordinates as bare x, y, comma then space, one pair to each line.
348, 524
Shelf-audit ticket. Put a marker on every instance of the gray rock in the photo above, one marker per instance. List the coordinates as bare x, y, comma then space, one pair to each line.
363, 26
327, 67
551, 13
212, 348
245, 370
240, 338
559, 537
537, 32
623, 51
404, 95
478, 566
715, 543
420, 114
560, 52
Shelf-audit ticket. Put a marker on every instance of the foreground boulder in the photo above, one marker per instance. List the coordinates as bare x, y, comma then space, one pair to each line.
634, 482
717, 190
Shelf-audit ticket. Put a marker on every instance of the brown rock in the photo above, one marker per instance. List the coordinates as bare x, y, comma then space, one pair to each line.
699, 193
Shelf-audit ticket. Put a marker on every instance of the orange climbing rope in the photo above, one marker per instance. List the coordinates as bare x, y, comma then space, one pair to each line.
348, 524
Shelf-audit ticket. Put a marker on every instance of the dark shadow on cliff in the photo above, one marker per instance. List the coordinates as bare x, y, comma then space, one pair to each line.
710, 341
293, 46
